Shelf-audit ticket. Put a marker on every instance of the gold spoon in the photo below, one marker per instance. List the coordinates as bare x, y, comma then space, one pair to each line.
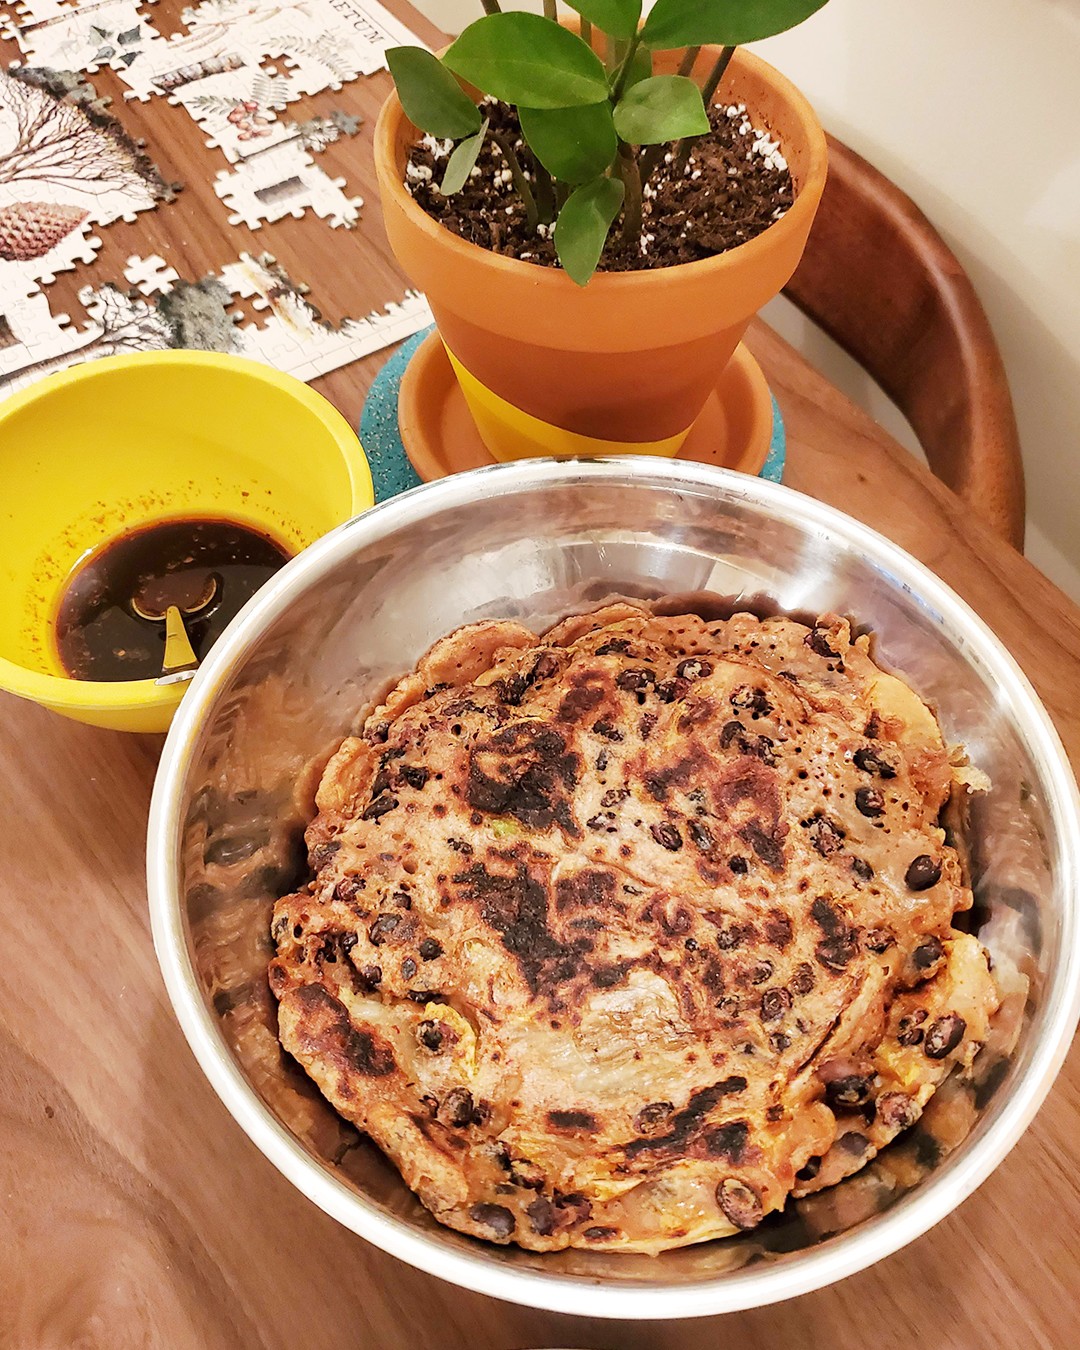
180, 662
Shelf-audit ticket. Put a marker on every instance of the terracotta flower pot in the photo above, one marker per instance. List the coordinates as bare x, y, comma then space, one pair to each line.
631, 357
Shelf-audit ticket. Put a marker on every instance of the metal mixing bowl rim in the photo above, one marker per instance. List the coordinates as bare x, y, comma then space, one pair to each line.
763, 1283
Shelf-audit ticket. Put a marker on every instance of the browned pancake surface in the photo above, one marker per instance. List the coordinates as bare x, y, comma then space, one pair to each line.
620, 936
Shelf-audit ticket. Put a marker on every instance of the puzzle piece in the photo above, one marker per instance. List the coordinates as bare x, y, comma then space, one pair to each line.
110, 32
238, 109
150, 275
58, 154
27, 13
294, 338
318, 132
281, 181
171, 64
36, 341
21, 276
323, 42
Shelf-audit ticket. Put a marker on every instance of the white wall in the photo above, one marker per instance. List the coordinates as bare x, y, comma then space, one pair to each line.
973, 108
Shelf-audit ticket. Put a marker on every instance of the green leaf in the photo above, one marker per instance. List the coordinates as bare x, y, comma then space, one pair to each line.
527, 59
573, 144
460, 163
691, 23
582, 228
617, 17
640, 67
662, 108
430, 95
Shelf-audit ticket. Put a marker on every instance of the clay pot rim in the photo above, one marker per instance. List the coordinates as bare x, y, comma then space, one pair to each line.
807, 195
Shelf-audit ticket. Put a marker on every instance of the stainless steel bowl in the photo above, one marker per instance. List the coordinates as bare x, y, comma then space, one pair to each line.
533, 541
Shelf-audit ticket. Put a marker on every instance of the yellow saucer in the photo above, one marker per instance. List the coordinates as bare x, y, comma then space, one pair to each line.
440, 437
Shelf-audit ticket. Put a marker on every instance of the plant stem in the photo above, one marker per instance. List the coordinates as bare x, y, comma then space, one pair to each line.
562, 191
550, 11
686, 65
545, 193
586, 32
624, 69
611, 53
708, 89
650, 158
521, 184
629, 173
491, 6
716, 75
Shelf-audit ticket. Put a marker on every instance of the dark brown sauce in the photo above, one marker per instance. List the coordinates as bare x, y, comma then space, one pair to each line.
99, 638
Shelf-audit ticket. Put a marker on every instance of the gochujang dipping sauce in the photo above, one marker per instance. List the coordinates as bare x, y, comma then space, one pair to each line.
176, 562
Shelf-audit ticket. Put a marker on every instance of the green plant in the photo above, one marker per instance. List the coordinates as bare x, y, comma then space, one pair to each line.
596, 129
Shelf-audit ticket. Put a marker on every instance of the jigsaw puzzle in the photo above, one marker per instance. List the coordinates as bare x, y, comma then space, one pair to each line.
150, 275
67, 168
181, 314
283, 180
102, 33
294, 338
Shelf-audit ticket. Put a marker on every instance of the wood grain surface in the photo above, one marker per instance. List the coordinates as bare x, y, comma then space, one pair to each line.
133, 1210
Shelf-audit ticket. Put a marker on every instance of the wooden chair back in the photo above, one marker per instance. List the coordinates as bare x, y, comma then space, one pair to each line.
880, 280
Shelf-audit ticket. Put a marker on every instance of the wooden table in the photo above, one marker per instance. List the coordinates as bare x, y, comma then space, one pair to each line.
135, 1213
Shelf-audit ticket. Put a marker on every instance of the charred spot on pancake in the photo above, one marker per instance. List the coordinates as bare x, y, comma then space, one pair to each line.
728, 1141
697, 710
328, 1032
580, 700
515, 906
583, 890
839, 944
607, 977
777, 929
525, 771
689, 1123
573, 1120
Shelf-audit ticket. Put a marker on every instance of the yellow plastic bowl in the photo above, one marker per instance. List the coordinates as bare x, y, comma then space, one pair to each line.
94, 452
